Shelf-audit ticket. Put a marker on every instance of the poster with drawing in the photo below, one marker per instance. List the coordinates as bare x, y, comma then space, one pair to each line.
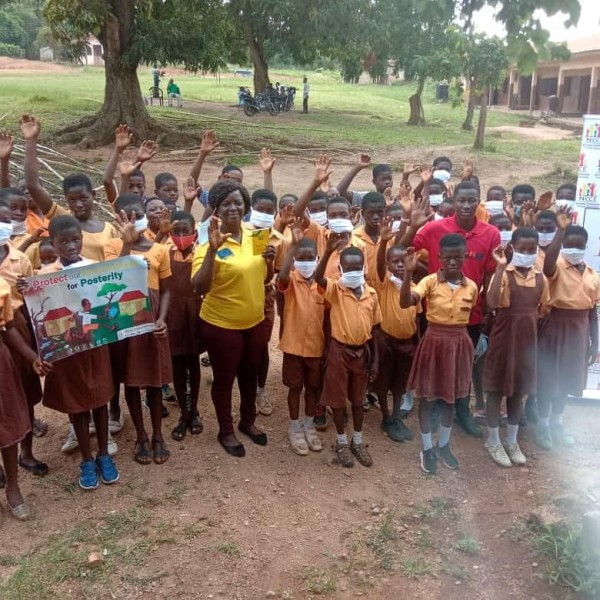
588, 206
80, 308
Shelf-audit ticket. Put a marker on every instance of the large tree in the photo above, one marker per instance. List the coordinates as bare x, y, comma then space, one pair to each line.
186, 32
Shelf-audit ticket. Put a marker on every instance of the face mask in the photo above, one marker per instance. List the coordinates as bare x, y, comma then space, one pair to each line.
202, 231
6, 231
305, 268
494, 207
396, 281
341, 225
183, 242
261, 220
436, 199
505, 237
438, 217
523, 260
320, 218
18, 227
574, 256
442, 175
352, 279
396, 226
570, 204
545, 239
141, 224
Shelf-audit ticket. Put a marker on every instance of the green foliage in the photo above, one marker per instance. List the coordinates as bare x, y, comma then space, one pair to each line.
19, 26
11, 50
485, 61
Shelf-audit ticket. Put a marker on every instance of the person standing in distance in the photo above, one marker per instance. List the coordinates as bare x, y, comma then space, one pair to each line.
305, 95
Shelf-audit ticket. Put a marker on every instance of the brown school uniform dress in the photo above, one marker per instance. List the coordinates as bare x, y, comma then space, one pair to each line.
81, 382
302, 341
565, 334
511, 361
443, 362
397, 339
14, 414
183, 319
15, 265
352, 321
147, 359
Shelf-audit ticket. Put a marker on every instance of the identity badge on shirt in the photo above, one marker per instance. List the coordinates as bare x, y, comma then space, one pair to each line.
224, 253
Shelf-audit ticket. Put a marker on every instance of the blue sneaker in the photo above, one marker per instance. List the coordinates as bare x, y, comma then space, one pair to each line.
108, 470
88, 480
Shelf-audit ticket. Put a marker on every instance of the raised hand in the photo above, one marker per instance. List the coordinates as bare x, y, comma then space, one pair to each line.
269, 254
38, 233
364, 161
355, 213
215, 238
191, 189
499, 255
527, 215
30, 127
509, 209
297, 233
209, 142
388, 195
287, 216
419, 213
267, 162
410, 260
544, 202
146, 151
6, 145
385, 232
426, 176
468, 169
126, 228
564, 217
404, 199
123, 137
449, 189
409, 168
323, 168
165, 224
126, 167
336, 241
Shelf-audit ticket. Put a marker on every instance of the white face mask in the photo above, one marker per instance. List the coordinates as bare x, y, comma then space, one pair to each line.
442, 175
396, 281
570, 204
505, 237
352, 279
438, 217
320, 218
305, 268
574, 256
141, 224
341, 225
6, 231
19, 227
494, 207
545, 239
396, 226
525, 261
261, 220
436, 199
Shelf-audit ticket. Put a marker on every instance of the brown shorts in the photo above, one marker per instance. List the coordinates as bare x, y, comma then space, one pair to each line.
299, 372
346, 376
395, 361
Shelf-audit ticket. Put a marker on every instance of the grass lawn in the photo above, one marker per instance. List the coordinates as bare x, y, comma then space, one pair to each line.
354, 117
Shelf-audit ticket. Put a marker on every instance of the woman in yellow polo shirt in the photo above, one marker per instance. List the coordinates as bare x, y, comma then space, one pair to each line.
232, 278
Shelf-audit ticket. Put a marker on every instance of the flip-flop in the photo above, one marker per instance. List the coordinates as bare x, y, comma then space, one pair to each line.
205, 361
21, 512
39, 428
196, 426
159, 452
141, 453
39, 469
178, 433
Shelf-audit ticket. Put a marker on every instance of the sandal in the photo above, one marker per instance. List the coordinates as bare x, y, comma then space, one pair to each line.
38, 468
39, 428
21, 512
159, 452
178, 433
196, 426
141, 453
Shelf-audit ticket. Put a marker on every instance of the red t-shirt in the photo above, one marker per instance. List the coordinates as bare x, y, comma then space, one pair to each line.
481, 242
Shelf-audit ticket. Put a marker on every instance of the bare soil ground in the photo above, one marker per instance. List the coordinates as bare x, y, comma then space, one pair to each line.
31, 66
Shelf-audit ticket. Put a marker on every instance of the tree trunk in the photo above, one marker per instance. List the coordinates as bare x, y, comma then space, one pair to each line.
257, 53
123, 100
468, 124
417, 116
479, 137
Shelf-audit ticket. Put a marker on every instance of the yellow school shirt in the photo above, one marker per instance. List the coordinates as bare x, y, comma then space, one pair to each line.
236, 299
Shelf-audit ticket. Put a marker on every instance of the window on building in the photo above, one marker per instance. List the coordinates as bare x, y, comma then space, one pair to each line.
548, 86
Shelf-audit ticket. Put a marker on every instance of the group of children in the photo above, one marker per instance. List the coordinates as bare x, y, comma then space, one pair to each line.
362, 313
